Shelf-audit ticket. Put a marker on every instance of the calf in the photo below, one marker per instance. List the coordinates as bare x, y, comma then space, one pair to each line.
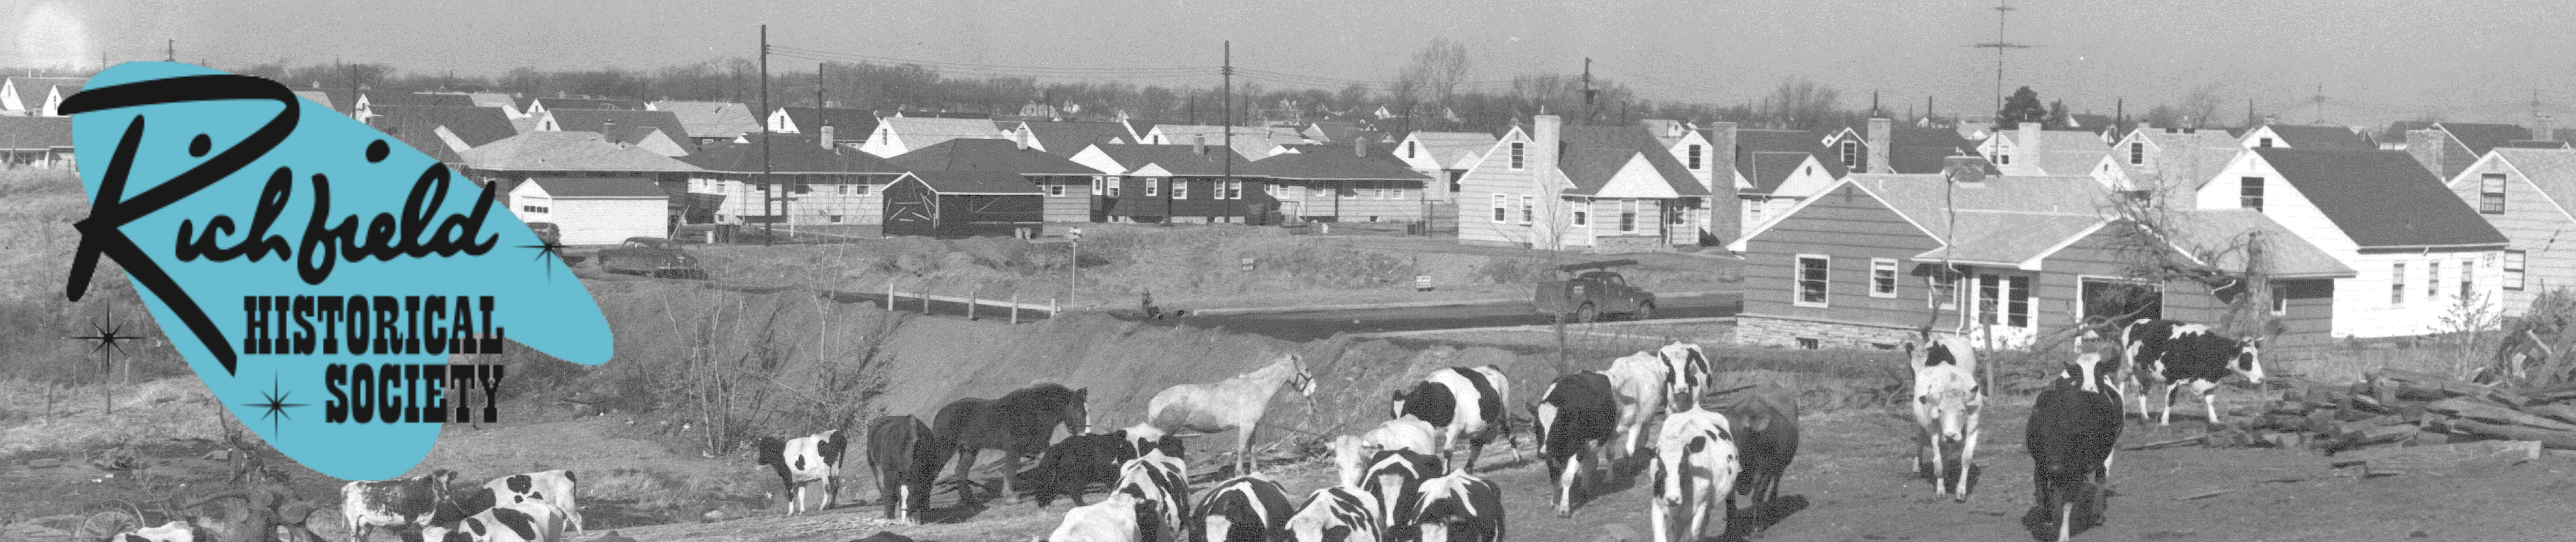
1395, 478
906, 458
1638, 381
1071, 465
2070, 436
524, 522
1248, 508
1459, 506
553, 487
1406, 433
1144, 437
1336, 514
1946, 404
1765, 420
2178, 354
175, 531
1161, 485
1688, 370
1577, 417
401, 504
1113, 519
1466, 404
1695, 467
805, 460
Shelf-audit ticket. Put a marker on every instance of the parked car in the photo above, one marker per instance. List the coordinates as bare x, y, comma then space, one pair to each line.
1592, 293
651, 256
553, 236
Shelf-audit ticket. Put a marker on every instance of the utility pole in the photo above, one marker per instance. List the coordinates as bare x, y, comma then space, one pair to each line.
2119, 117
1999, 45
170, 51
1874, 111
769, 234
2321, 104
1228, 158
818, 86
1587, 91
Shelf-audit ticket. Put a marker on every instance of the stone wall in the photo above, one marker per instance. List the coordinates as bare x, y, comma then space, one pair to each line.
1784, 333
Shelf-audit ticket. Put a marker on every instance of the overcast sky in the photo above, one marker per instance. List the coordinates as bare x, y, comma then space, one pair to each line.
2470, 60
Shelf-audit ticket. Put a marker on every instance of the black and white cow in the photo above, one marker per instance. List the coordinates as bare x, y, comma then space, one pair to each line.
1145, 437
1460, 507
1695, 468
554, 487
533, 521
1948, 408
1639, 381
2071, 434
1395, 478
1465, 404
401, 504
906, 458
1248, 508
1113, 519
1162, 486
1577, 417
805, 460
175, 531
1336, 514
2177, 354
1765, 420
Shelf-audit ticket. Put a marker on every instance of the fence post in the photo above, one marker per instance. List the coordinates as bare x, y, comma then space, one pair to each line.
889, 296
925, 302
1051, 308
973, 297
1015, 307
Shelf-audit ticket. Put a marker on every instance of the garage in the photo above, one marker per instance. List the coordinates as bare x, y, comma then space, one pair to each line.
594, 210
959, 204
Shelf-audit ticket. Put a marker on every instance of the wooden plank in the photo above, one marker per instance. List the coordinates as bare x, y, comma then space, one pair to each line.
2496, 414
2560, 440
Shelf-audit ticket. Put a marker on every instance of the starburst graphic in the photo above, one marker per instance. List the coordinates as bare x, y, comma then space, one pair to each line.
107, 334
275, 405
547, 250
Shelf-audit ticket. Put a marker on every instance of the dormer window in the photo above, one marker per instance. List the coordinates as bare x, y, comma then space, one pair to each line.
1851, 153
2264, 143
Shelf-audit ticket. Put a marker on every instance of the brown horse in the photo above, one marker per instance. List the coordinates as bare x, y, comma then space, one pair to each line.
1233, 404
1019, 424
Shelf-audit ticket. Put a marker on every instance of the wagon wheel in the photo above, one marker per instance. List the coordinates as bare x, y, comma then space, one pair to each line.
108, 518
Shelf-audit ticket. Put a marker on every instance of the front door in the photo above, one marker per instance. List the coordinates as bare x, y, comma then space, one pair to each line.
2003, 311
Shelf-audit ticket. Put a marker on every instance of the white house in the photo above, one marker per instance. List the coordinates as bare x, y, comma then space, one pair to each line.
1606, 189
2029, 150
36, 96
2419, 249
897, 135
1775, 169
2286, 136
2524, 193
1445, 156
594, 210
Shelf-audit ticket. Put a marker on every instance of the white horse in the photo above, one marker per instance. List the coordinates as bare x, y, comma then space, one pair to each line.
1234, 404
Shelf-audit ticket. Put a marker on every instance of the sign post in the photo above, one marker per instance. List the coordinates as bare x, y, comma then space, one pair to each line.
1073, 268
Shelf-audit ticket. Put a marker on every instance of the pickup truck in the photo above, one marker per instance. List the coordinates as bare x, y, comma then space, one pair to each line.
1593, 292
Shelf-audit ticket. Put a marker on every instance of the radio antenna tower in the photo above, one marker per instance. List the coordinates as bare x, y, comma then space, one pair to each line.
2002, 8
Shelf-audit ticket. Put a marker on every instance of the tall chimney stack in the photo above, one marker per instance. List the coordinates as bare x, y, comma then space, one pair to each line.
1882, 133
826, 136
2540, 129
1359, 147
2029, 149
1725, 209
1199, 144
2426, 145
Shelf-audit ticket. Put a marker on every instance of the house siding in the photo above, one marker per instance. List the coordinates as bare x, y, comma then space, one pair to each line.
2363, 304
604, 221
2531, 223
862, 204
1199, 206
1495, 176
2059, 293
1074, 205
1851, 227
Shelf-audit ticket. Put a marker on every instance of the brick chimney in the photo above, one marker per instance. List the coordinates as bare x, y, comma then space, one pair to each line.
1546, 137
1359, 147
1882, 133
2028, 150
1199, 144
1725, 209
827, 134
2540, 129
608, 131
2426, 145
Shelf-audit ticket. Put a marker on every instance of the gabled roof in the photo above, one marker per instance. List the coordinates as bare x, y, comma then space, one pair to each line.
35, 133
566, 151
2010, 238
920, 132
2382, 199
1328, 162
1454, 148
2552, 171
2211, 232
988, 155
381, 99
599, 187
2323, 137
848, 124
583, 103
1177, 159
934, 114
795, 153
477, 126
1067, 138
2184, 139
1593, 154
2480, 137
33, 88
319, 97
2397, 130
1925, 198
2528, 144
1750, 143
1328, 132
976, 182
1912, 149
491, 99
710, 119
1767, 169
596, 120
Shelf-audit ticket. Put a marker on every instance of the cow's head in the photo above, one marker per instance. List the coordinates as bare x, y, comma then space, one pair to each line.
1395, 404
2249, 359
1949, 396
2086, 371
1350, 458
1672, 470
769, 451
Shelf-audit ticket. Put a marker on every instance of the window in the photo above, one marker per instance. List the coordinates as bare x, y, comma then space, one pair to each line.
1516, 155
1851, 153
2017, 306
2280, 299
534, 208
1989, 291
1229, 190
1409, 149
1753, 211
2003, 159
1694, 157
836, 219
2513, 270
1627, 216
1502, 206
2115, 299
1811, 280
860, 189
1809, 343
1945, 289
1882, 277
2491, 193
1096, 182
1674, 214
845, 189
1180, 188
2138, 153
2397, 284
1529, 209
2432, 280
1579, 218
2249, 193
2468, 280
2264, 143
1055, 189
1113, 182
1153, 187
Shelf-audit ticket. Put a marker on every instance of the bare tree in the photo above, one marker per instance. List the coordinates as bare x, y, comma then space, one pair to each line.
1439, 67
2200, 104
1800, 104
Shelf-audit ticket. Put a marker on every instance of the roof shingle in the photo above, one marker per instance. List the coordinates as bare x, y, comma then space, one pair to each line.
2382, 199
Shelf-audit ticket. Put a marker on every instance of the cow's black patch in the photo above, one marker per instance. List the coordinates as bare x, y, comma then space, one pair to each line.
1489, 404
1432, 402
520, 483
519, 523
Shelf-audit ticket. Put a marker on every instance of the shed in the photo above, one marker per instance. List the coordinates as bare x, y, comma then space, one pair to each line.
959, 204
594, 210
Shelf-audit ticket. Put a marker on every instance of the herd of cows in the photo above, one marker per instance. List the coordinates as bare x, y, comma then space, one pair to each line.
1396, 481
